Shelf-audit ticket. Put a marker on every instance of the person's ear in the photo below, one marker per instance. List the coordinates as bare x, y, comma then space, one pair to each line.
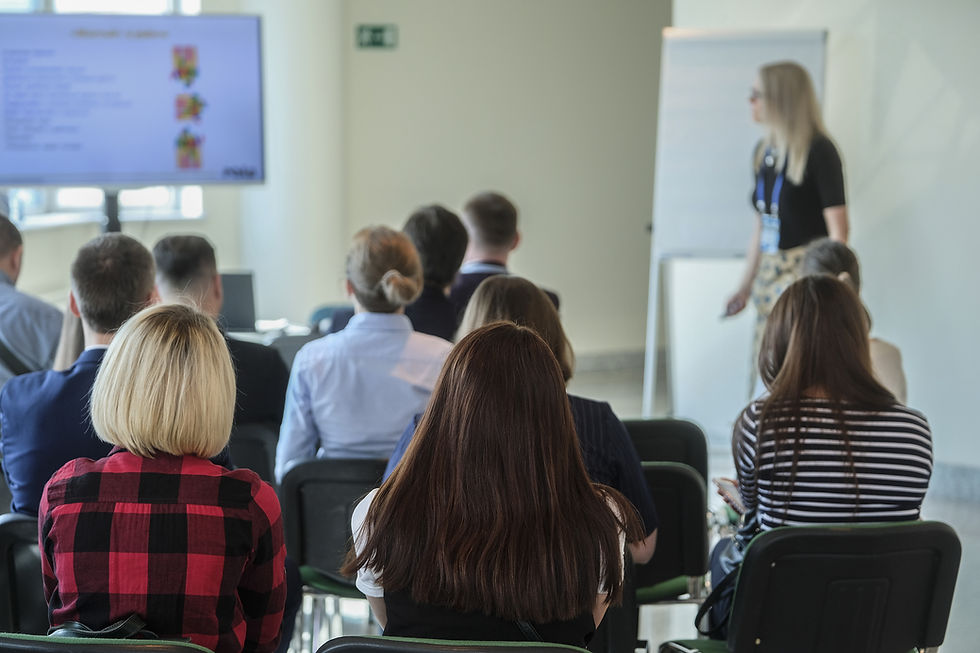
517, 241
16, 260
73, 304
153, 298
217, 291
349, 287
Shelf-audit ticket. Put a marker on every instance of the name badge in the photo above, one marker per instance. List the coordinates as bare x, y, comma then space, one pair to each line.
769, 241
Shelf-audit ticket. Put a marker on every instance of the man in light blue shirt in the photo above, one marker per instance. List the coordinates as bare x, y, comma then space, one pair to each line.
29, 328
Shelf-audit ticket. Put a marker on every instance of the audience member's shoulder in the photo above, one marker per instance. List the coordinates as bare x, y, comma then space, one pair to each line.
252, 350
31, 385
425, 343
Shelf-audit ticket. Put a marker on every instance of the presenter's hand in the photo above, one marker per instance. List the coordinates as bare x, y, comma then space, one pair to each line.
737, 302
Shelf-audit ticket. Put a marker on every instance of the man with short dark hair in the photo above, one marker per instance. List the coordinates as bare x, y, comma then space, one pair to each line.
491, 221
187, 272
29, 328
44, 416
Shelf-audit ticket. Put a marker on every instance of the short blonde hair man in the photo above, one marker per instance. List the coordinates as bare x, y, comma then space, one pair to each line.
166, 385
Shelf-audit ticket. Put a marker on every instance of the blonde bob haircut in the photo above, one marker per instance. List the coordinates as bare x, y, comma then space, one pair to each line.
166, 385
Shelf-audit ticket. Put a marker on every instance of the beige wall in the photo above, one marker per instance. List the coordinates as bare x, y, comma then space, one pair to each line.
903, 102
552, 102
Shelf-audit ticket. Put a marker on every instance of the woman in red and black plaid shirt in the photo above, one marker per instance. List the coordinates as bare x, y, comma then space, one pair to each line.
154, 528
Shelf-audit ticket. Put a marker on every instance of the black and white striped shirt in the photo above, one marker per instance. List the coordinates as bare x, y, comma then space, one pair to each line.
891, 451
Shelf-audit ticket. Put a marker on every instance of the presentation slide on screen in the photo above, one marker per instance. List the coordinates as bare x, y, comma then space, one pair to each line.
130, 100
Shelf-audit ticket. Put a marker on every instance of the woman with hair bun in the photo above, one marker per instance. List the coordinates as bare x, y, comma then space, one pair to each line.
351, 392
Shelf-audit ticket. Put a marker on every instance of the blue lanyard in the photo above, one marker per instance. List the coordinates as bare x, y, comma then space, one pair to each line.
760, 191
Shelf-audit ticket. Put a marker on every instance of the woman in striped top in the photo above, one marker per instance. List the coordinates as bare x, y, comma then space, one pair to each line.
828, 444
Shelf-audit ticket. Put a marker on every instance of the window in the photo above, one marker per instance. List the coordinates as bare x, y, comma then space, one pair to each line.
51, 206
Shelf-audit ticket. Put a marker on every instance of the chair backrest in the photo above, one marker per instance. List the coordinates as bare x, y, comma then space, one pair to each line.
5, 496
22, 605
670, 441
379, 644
682, 539
253, 446
19, 643
849, 589
288, 346
318, 498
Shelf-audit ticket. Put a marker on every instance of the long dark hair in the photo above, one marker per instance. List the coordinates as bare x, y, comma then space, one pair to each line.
491, 509
815, 345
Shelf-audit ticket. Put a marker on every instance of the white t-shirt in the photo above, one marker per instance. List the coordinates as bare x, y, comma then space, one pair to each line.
367, 580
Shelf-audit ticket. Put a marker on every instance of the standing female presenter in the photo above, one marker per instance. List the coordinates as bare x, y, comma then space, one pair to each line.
799, 187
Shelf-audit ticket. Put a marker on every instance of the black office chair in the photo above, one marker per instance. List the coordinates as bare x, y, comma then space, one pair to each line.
5, 496
680, 562
873, 588
670, 440
19, 643
253, 446
288, 346
22, 605
318, 497
367, 644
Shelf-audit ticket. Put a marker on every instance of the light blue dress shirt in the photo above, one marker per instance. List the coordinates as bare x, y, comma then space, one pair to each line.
29, 327
352, 392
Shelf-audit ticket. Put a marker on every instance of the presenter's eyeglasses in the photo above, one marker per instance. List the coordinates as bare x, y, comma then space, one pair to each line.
755, 95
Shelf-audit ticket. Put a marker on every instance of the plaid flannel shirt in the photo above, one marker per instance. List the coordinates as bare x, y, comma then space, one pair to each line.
193, 548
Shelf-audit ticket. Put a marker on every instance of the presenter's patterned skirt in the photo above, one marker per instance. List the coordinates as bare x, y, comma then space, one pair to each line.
777, 271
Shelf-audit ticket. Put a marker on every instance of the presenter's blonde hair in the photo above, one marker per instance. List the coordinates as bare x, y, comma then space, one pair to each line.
166, 385
792, 115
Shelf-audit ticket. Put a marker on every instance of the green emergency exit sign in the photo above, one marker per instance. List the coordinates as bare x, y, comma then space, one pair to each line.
377, 36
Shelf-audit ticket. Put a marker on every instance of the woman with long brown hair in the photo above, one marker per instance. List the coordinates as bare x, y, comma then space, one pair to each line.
490, 527
609, 455
829, 444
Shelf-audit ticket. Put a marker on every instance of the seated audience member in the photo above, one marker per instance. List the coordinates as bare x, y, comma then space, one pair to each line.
490, 526
826, 256
29, 328
609, 455
440, 239
187, 272
154, 528
44, 416
817, 448
491, 221
352, 392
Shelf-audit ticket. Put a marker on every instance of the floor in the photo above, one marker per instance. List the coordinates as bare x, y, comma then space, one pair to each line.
622, 389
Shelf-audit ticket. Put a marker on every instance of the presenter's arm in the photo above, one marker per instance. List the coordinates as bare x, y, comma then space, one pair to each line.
740, 299
838, 226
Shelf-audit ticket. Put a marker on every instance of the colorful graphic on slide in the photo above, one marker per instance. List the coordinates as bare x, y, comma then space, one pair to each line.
189, 106
188, 150
185, 64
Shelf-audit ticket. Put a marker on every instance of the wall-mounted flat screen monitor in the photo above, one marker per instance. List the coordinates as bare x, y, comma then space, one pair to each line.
113, 100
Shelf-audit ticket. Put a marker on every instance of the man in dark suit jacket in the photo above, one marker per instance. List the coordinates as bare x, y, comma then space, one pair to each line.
44, 416
491, 220
187, 272
440, 238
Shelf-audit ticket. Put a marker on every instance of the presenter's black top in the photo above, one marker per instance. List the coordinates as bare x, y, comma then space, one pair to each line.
801, 206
